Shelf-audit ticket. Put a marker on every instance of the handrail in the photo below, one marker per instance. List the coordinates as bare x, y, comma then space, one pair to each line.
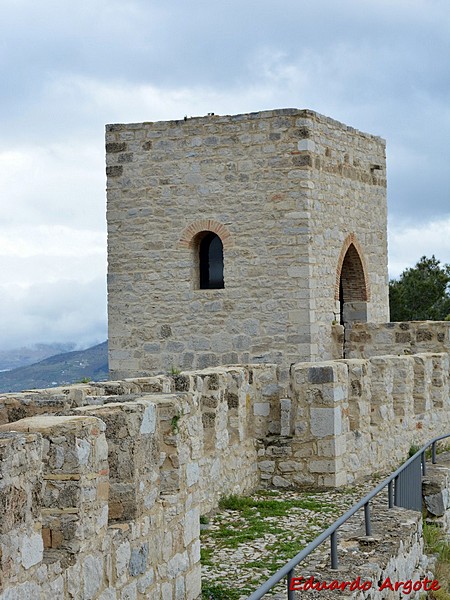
288, 568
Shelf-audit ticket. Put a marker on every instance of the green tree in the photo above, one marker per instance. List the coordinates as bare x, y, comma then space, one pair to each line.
421, 293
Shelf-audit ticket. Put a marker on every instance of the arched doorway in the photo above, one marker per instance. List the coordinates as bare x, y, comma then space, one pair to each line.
352, 284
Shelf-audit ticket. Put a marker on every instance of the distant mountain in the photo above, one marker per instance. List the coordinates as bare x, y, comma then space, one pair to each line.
28, 355
62, 369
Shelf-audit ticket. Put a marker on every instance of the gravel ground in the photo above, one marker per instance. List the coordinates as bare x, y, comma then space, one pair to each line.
236, 572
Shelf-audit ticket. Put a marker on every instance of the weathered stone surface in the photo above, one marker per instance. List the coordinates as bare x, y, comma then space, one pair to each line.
313, 195
32, 550
192, 473
129, 592
92, 576
177, 564
320, 374
281, 481
261, 409
23, 591
160, 465
370, 339
115, 147
325, 421
436, 491
108, 594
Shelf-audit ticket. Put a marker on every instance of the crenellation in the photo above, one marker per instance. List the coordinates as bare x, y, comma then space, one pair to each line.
158, 459
108, 496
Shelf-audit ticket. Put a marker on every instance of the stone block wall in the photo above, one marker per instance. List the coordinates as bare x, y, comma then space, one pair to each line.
73, 550
370, 339
104, 502
21, 490
284, 190
436, 491
351, 418
347, 183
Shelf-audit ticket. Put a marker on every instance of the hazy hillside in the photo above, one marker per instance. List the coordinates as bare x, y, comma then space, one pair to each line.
61, 369
20, 357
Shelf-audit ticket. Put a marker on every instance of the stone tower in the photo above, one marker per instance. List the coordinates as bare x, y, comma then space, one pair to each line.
236, 239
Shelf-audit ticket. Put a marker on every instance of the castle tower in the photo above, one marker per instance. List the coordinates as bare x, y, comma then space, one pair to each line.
236, 239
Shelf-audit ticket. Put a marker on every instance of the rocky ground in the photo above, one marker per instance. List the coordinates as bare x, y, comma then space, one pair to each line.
243, 545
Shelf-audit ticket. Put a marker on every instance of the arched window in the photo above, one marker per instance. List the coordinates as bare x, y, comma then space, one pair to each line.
211, 262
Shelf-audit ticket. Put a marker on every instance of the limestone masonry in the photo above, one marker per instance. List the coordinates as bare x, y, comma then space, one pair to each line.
298, 202
102, 485
249, 342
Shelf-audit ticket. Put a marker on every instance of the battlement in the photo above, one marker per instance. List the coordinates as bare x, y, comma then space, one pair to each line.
107, 494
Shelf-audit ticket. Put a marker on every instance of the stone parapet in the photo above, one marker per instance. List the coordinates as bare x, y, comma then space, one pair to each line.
350, 418
374, 564
436, 492
21, 492
364, 340
107, 497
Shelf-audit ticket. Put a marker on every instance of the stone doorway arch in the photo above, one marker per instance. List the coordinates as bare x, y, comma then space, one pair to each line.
352, 292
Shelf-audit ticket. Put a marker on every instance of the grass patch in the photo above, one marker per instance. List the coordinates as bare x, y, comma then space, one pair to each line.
442, 446
256, 517
415, 448
206, 556
437, 544
267, 493
233, 537
269, 517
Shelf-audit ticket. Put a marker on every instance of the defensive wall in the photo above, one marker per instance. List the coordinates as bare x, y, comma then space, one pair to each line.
372, 339
103, 500
102, 485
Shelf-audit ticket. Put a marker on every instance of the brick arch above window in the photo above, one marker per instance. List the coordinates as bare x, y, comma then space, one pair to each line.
356, 254
189, 234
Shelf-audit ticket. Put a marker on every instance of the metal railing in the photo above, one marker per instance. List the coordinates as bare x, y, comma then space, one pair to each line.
404, 490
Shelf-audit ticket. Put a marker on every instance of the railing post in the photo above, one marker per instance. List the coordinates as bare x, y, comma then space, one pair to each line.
367, 519
290, 593
390, 495
433, 453
424, 468
396, 491
334, 556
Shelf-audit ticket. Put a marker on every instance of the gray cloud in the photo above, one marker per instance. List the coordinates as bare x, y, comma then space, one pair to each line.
379, 66
68, 68
62, 311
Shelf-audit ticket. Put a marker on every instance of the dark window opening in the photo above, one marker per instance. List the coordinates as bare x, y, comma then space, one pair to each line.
211, 262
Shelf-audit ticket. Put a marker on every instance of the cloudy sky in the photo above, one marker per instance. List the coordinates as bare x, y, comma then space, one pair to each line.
67, 68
